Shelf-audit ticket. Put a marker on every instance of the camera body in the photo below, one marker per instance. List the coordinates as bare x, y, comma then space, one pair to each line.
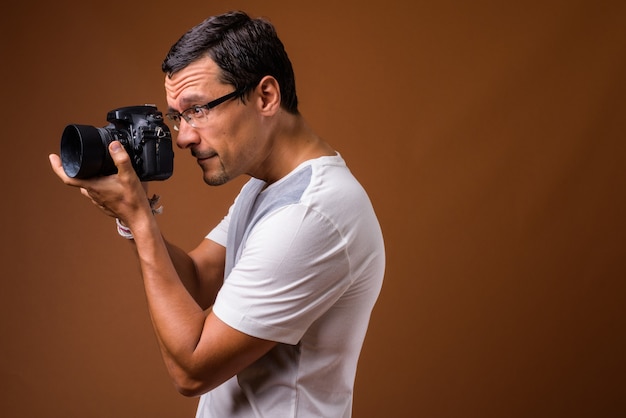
142, 132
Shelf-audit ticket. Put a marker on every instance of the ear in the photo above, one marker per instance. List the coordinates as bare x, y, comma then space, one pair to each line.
268, 90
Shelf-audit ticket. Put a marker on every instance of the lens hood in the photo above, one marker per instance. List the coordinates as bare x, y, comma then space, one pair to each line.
83, 151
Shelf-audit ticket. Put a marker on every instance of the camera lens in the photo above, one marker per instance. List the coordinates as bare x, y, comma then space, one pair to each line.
84, 152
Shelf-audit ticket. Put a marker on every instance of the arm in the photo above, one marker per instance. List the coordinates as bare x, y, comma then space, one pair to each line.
199, 350
201, 270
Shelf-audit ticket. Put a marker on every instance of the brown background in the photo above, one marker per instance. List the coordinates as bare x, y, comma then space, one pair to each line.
489, 134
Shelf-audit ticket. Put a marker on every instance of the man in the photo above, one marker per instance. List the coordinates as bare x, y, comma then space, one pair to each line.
266, 316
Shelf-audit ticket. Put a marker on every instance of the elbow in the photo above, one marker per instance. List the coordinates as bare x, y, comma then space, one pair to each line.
190, 387
193, 384
188, 391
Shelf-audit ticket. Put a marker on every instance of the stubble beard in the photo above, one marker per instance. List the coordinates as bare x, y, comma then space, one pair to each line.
218, 178
212, 179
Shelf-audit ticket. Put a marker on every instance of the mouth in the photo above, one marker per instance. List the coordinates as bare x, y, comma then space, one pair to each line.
203, 156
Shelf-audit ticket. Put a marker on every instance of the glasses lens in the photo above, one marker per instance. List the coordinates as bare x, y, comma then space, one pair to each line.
195, 115
174, 120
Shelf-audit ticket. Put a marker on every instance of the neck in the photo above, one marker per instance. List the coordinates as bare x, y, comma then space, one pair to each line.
292, 144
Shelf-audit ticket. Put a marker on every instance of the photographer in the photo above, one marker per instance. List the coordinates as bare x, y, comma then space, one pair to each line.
266, 316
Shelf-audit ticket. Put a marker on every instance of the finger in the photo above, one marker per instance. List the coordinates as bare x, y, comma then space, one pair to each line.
57, 167
85, 192
98, 204
120, 158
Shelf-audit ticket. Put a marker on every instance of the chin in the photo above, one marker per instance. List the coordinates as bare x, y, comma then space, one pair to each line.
217, 180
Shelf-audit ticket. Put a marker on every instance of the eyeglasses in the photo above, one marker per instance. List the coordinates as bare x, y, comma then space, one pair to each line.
195, 115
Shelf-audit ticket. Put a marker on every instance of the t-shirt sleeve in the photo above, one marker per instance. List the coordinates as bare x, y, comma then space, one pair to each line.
293, 268
219, 234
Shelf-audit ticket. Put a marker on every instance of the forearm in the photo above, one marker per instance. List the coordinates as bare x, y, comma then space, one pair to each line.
202, 290
168, 274
199, 350
202, 282
170, 279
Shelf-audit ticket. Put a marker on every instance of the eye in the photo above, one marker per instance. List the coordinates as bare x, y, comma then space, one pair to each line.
196, 111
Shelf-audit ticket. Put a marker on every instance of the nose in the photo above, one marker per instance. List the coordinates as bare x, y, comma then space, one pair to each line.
187, 135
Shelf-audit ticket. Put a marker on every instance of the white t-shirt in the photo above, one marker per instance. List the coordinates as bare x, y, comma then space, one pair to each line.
304, 266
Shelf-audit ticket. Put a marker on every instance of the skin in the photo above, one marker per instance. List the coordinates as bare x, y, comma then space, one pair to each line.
257, 138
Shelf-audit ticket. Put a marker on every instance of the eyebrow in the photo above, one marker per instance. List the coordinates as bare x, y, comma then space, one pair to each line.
189, 101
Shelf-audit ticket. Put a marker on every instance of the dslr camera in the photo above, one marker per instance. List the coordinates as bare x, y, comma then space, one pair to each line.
142, 132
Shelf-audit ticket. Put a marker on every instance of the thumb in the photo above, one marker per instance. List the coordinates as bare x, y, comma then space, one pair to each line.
120, 157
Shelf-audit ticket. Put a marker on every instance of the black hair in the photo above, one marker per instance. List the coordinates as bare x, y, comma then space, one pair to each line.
245, 49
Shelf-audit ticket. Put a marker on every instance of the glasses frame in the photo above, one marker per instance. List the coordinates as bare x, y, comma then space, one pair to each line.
176, 117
